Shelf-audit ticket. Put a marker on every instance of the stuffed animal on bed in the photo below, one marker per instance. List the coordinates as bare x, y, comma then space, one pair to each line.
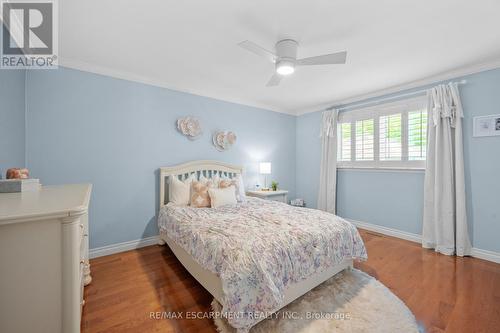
17, 173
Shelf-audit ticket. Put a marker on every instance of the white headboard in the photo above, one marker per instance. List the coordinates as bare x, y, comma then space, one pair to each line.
202, 167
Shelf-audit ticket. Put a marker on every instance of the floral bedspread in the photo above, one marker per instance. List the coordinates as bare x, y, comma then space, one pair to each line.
258, 247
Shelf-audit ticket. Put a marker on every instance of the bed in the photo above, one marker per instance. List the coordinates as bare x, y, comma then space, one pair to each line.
257, 256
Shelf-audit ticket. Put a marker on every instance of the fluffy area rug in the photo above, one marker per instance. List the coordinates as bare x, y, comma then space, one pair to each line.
351, 301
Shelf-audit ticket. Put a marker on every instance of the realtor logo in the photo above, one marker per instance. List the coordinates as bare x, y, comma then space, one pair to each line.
29, 34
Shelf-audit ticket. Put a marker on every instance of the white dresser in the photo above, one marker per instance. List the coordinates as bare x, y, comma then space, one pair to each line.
43, 259
279, 195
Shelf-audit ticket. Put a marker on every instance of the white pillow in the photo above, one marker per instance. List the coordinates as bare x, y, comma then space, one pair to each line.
237, 182
241, 188
215, 179
179, 191
222, 196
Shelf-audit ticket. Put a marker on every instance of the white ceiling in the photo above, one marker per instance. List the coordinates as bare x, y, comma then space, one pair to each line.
191, 45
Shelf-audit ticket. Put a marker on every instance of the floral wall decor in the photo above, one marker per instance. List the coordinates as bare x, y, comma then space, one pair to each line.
190, 127
223, 140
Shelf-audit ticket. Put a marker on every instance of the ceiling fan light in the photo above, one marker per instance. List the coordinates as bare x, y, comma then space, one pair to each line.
285, 68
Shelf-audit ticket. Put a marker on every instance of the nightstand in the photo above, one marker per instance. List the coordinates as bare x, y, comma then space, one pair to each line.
279, 195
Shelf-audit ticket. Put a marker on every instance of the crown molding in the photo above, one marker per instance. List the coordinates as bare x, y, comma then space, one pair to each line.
128, 76
448, 75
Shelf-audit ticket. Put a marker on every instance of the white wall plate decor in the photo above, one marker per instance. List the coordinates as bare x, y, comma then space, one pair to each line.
486, 125
223, 140
190, 127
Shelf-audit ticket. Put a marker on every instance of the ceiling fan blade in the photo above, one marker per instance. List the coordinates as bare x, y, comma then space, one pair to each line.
254, 48
327, 59
274, 81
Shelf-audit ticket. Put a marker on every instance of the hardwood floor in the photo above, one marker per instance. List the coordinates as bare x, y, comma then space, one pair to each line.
446, 294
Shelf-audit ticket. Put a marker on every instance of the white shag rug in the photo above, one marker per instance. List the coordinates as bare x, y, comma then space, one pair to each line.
351, 301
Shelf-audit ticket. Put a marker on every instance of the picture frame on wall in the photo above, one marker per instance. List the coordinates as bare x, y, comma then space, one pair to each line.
486, 125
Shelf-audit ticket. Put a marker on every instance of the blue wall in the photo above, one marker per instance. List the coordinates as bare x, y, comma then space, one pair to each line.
12, 145
363, 195
395, 199
83, 127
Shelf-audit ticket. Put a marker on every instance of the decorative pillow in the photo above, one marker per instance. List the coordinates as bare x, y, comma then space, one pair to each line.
216, 180
239, 188
199, 192
222, 196
179, 190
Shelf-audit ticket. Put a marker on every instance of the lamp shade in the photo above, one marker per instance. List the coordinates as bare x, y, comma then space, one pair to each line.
265, 168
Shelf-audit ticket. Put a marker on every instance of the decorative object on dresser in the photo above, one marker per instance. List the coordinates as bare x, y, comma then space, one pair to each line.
190, 127
265, 169
17, 173
279, 195
19, 185
223, 140
44, 258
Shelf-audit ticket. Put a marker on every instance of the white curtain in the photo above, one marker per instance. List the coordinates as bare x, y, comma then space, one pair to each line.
328, 166
445, 218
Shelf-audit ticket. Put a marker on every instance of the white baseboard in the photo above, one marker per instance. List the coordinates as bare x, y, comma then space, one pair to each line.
477, 253
387, 231
486, 255
122, 247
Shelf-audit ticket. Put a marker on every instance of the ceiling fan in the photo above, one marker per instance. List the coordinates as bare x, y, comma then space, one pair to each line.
285, 58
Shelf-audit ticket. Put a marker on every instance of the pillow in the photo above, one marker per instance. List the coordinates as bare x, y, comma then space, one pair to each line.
199, 192
216, 180
222, 196
239, 188
179, 190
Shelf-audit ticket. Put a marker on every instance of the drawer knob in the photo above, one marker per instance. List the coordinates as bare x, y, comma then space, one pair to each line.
81, 226
83, 302
82, 261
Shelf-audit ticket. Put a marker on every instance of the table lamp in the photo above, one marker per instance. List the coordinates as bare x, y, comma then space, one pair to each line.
265, 169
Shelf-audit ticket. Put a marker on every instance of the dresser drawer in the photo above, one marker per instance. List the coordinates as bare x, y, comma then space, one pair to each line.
49, 221
82, 247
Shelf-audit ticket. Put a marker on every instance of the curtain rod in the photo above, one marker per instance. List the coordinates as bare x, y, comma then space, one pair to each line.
413, 93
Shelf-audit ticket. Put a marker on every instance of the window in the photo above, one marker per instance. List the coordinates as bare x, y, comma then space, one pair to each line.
392, 135
345, 142
417, 135
364, 140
